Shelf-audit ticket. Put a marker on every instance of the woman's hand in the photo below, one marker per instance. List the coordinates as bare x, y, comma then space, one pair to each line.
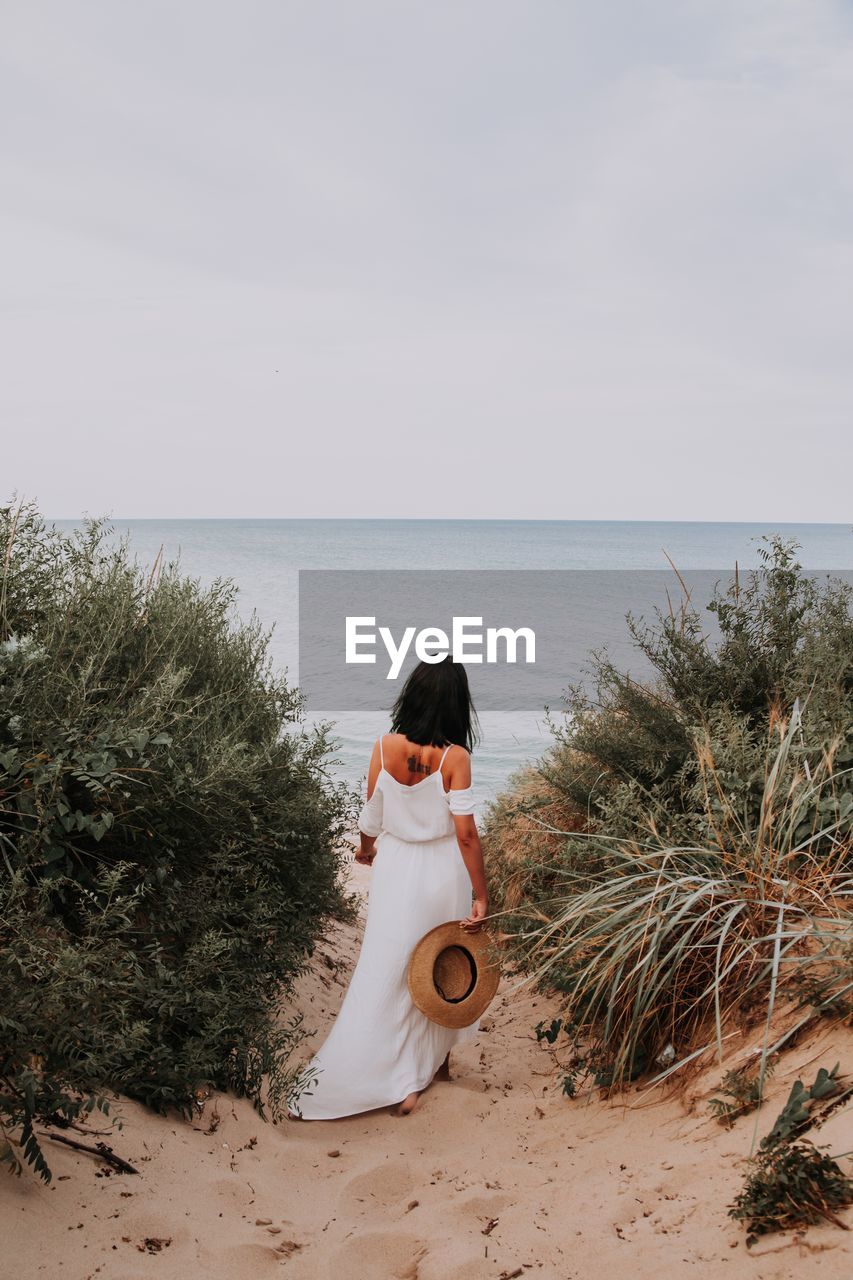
479, 911
367, 851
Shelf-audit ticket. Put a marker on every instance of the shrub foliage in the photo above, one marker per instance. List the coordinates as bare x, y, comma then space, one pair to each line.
709, 859
634, 755
169, 834
790, 1182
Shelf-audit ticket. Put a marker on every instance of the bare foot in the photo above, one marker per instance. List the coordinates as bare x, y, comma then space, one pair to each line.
443, 1072
408, 1104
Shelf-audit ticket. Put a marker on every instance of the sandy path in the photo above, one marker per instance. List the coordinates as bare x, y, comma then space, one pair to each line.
496, 1175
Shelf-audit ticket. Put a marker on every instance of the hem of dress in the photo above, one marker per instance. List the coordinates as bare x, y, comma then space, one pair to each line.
374, 1106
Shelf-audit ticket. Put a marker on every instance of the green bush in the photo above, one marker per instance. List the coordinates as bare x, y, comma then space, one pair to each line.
627, 753
169, 834
792, 1186
665, 945
790, 1182
709, 863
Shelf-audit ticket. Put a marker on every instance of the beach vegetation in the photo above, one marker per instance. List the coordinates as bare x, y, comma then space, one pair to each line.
170, 836
791, 1183
707, 864
741, 1090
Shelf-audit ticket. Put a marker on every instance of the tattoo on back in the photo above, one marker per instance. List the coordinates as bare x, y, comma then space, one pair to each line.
417, 766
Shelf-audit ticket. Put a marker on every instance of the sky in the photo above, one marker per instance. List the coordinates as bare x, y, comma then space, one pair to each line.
466, 258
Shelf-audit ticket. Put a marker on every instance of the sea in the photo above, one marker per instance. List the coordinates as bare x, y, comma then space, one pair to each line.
263, 558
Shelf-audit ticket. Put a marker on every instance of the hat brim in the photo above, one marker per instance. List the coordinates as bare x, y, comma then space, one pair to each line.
480, 948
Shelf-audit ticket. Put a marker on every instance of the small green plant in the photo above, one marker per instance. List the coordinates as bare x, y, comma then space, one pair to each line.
792, 1183
548, 1034
571, 1080
830, 993
803, 1108
36, 1098
744, 1087
586, 1061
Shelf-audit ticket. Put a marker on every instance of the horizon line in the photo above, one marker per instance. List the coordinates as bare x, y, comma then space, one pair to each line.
829, 524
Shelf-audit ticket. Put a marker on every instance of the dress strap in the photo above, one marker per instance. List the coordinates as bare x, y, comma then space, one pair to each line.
444, 757
381, 756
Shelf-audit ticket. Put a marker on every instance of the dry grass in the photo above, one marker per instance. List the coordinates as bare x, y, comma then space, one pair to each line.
526, 825
660, 945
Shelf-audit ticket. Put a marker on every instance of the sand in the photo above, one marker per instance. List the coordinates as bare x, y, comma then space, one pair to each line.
496, 1175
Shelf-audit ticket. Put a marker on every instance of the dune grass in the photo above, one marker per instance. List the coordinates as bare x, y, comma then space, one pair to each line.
666, 945
706, 872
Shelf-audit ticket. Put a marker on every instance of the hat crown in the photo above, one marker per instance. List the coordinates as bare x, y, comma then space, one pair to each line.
453, 974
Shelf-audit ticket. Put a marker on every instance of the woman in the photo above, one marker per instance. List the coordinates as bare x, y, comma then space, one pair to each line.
419, 835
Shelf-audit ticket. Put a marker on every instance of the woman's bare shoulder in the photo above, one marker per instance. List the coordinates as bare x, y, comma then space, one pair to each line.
459, 766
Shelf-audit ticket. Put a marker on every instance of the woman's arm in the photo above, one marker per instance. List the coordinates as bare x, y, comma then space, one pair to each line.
367, 851
468, 839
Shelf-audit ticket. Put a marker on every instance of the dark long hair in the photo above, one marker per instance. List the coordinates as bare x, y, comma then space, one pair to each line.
434, 706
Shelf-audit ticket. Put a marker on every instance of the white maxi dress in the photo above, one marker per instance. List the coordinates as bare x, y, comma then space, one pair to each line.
381, 1047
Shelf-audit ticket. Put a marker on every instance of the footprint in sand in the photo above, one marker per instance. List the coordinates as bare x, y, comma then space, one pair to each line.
139, 1227
386, 1254
475, 1207
234, 1192
241, 1259
387, 1185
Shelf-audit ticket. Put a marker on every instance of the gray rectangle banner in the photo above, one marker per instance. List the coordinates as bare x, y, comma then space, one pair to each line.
384, 620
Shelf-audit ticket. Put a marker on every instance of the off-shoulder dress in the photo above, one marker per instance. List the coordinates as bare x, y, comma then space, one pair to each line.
381, 1047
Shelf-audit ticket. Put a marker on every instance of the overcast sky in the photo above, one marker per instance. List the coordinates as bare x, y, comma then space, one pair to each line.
548, 258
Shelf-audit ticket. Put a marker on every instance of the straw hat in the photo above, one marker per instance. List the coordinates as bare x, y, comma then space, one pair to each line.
453, 974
